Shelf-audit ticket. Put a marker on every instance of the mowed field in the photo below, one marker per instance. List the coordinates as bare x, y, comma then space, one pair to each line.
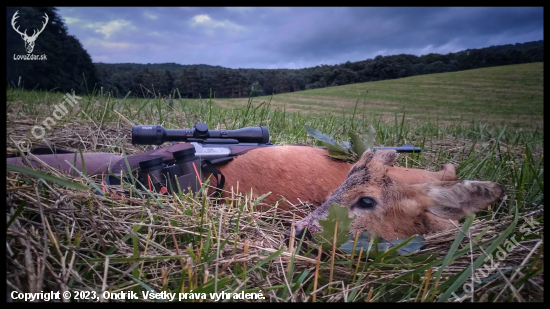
511, 95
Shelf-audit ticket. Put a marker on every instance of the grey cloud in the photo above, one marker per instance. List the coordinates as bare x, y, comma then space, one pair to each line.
295, 37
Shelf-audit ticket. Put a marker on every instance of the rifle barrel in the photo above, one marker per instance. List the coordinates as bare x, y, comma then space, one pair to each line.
403, 149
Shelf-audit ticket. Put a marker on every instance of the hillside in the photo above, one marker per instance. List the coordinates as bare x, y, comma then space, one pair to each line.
511, 95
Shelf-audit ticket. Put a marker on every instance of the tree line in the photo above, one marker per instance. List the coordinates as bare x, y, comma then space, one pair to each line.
69, 67
194, 81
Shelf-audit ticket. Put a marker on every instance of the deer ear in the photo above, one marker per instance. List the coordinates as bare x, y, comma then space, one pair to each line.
362, 162
458, 199
387, 157
365, 158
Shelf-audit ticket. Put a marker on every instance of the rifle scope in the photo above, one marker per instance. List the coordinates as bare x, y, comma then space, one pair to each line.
157, 135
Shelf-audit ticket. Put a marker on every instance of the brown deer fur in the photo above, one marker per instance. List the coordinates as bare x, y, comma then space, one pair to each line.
409, 200
303, 173
397, 209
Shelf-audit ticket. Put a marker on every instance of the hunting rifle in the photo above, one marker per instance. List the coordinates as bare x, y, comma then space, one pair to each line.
219, 146
172, 168
205, 148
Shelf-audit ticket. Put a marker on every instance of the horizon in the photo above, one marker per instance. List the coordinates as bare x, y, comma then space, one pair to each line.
291, 38
151, 63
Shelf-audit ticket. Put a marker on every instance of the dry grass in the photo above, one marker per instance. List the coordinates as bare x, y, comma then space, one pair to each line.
61, 239
97, 243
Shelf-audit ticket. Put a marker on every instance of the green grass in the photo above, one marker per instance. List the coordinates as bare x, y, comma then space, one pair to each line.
183, 242
507, 94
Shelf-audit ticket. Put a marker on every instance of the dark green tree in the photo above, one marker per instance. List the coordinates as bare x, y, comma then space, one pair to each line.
67, 62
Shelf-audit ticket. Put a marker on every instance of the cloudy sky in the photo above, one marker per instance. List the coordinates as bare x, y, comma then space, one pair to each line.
238, 37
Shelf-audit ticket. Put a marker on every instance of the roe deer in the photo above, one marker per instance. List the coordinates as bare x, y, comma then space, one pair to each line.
308, 174
393, 209
302, 173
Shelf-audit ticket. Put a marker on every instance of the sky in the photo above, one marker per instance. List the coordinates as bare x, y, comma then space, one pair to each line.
293, 38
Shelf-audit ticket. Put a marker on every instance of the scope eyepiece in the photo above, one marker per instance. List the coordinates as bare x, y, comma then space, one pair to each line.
157, 135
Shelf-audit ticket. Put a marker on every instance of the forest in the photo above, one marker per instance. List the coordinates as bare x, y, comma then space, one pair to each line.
69, 66
194, 81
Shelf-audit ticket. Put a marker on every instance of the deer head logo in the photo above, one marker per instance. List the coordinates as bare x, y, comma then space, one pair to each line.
29, 40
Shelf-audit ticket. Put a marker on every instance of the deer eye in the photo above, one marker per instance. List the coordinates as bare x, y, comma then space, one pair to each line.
366, 203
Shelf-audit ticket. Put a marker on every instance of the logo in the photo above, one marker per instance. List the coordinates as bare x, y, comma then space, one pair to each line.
29, 40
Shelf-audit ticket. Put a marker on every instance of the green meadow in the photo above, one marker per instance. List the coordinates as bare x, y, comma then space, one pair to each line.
511, 95
61, 236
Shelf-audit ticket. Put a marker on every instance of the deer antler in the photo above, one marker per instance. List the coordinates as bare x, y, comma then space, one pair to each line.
43, 26
13, 24
34, 34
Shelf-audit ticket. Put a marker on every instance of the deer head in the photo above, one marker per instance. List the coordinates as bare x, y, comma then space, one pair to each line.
393, 209
29, 40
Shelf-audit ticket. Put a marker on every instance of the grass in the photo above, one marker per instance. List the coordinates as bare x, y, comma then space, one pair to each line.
506, 94
63, 239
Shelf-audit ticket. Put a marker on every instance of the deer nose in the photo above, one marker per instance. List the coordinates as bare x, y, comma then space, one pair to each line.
299, 229
298, 234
